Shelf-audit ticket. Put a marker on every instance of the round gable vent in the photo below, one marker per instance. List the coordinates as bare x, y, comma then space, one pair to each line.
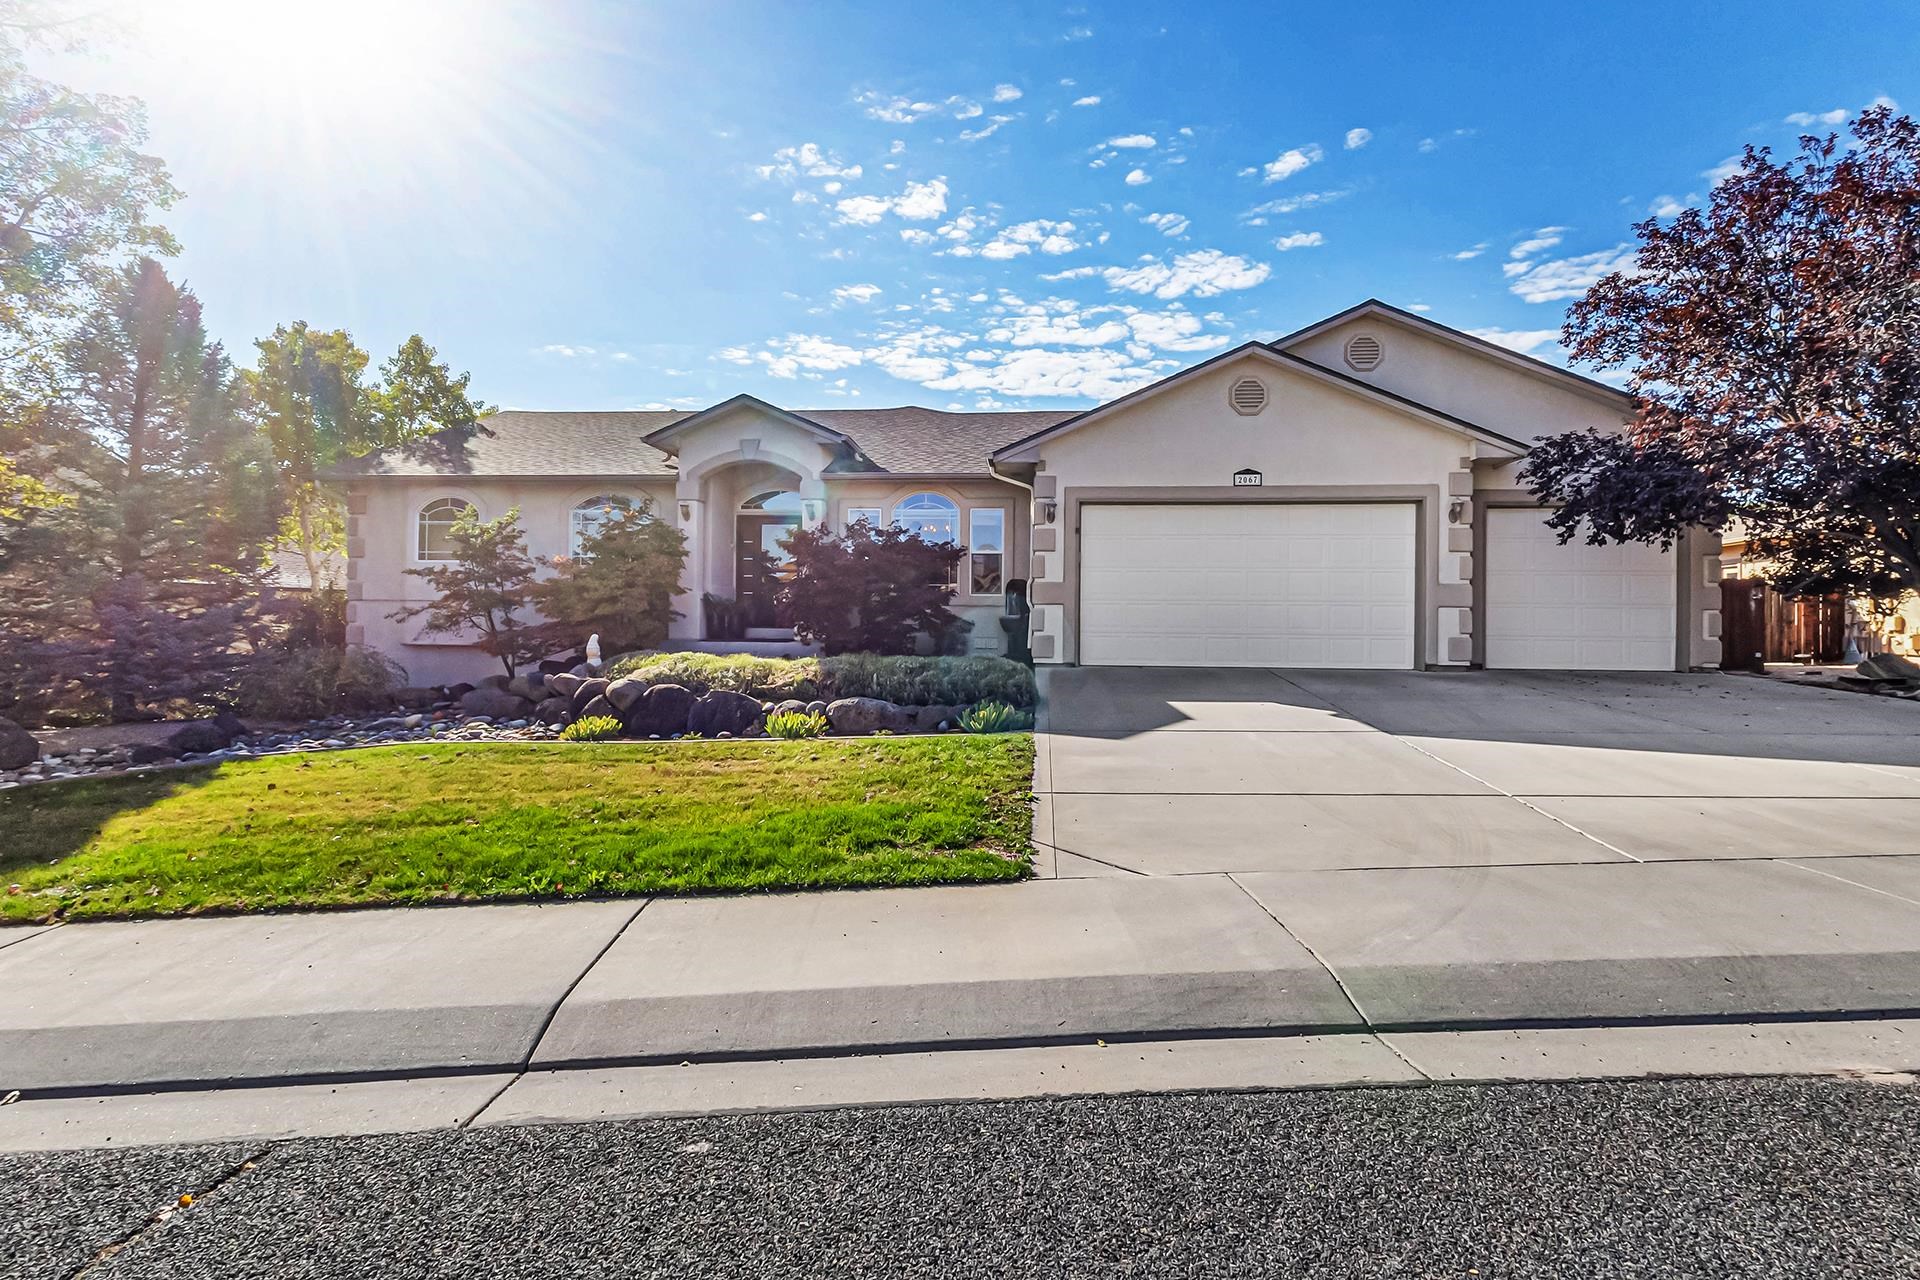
1364, 352
1247, 396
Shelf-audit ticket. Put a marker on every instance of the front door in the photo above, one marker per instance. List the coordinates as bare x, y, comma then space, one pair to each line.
758, 555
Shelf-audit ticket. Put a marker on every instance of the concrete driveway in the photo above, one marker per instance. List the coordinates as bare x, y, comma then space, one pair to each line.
1161, 772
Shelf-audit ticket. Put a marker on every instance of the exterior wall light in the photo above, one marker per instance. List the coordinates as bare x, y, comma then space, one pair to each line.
1049, 510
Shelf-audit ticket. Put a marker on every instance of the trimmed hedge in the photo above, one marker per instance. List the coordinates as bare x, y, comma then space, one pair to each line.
905, 681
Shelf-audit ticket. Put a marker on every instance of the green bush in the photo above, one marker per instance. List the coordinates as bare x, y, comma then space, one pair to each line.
769, 679
796, 724
910, 682
307, 684
592, 729
995, 717
926, 682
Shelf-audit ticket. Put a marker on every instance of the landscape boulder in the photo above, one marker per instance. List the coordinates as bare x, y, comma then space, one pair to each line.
929, 719
597, 706
587, 691
531, 687
866, 715
553, 711
562, 685
18, 748
624, 693
455, 692
148, 753
816, 708
200, 736
414, 698
492, 682
495, 704
663, 709
792, 706
724, 711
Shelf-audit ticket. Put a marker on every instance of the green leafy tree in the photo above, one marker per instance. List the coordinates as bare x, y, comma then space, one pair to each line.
868, 590
484, 591
139, 590
620, 586
316, 408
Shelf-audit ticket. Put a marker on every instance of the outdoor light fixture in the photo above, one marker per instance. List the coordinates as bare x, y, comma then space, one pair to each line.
812, 511
686, 513
1049, 509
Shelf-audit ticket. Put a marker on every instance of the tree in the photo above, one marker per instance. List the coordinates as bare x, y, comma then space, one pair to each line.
868, 590
620, 586
1773, 340
316, 409
77, 199
485, 589
139, 590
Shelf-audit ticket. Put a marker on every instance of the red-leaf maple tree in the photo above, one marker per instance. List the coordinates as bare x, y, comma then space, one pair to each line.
1773, 339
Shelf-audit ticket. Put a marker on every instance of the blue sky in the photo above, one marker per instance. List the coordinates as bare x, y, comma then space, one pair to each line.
598, 205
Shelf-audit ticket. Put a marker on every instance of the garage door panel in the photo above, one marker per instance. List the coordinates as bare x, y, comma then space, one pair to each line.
1573, 606
1248, 585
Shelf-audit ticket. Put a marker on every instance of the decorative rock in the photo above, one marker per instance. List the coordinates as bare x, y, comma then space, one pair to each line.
18, 748
148, 753
499, 682
865, 715
662, 710
414, 698
553, 711
816, 708
723, 711
587, 692
198, 736
928, 719
455, 692
496, 704
598, 706
792, 706
562, 685
624, 693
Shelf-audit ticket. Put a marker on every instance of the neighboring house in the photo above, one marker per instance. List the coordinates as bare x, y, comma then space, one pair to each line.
1343, 497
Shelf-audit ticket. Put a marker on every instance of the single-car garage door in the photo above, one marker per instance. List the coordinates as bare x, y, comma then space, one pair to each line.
1575, 607
1247, 585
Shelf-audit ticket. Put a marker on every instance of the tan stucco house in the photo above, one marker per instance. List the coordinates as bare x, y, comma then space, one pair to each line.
1345, 496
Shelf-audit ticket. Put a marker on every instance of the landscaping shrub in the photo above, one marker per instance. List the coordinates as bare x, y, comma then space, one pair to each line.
925, 682
995, 717
619, 587
769, 679
592, 729
870, 590
307, 684
796, 724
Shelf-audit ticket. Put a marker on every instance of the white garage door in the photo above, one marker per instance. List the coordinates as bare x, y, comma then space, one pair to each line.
1247, 585
1575, 607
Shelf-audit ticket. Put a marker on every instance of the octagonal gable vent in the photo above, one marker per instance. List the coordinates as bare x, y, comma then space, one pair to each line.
1247, 396
1365, 352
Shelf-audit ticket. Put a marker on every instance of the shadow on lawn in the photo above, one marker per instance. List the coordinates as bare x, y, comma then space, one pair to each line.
49, 821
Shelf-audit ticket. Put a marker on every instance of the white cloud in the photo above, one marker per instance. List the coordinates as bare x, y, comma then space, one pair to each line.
1541, 241
1472, 251
987, 131
1006, 93
1167, 224
1358, 138
919, 202
1672, 206
897, 146
1202, 273
756, 216
1292, 161
1138, 178
1079, 33
894, 110
1135, 141
788, 357
1807, 119
965, 108
1300, 240
1293, 204
808, 158
856, 293
1430, 145
1044, 234
1522, 340
1071, 273
566, 350
1559, 278
1091, 100
1725, 169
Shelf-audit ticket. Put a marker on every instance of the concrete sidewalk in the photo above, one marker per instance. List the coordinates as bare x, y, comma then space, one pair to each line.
478, 990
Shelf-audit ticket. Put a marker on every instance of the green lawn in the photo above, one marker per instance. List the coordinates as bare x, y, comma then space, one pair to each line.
436, 823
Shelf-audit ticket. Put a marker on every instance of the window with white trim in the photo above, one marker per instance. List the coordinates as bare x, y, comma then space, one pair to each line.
433, 537
932, 518
589, 517
854, 515
986, 550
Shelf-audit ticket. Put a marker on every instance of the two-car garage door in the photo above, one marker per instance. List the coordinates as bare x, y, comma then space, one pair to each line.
1248, 584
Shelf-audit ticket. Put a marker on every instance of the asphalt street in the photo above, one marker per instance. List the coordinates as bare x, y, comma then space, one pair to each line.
1771, 1177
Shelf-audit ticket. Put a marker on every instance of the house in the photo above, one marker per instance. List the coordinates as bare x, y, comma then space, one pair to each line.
1345, 496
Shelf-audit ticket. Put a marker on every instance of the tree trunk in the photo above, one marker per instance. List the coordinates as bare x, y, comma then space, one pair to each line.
130, 551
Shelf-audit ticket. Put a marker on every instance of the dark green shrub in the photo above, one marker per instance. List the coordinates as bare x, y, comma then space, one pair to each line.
307, 684
924, 682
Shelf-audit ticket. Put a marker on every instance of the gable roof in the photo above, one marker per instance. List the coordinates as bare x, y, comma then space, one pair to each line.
1295, 364
1527, 364
903, 440
826, 435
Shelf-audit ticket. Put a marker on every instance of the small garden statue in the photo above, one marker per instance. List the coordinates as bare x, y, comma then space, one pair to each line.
593, 652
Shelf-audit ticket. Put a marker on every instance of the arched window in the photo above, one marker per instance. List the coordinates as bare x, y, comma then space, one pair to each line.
434, 540
777, 502
590, 516
934, 518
